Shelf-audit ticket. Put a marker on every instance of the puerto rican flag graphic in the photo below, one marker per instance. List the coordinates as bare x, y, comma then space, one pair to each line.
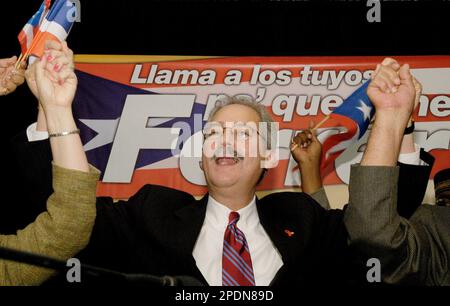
31, 28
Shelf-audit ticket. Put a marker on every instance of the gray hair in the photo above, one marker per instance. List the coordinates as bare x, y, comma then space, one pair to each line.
269, 133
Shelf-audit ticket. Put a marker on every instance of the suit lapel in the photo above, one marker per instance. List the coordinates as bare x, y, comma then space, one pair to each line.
277, 232
285, 235
190, 219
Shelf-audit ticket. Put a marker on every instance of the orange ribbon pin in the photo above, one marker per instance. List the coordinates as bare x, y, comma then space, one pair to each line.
289, 233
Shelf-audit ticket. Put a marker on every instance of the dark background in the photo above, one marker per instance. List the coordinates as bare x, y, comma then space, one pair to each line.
268, 28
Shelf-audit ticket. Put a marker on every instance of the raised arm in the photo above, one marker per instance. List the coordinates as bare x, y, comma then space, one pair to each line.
41, 123
415, 166
403, 247
306, 150
64, 229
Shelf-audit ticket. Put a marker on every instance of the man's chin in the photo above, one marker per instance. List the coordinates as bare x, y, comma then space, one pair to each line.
223, 181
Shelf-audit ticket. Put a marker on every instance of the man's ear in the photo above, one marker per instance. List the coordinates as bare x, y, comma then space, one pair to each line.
270, 159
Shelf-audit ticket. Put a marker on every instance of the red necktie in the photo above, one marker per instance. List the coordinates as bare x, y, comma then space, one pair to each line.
237, 269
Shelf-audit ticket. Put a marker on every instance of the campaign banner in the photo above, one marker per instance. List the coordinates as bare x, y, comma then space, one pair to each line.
141, 117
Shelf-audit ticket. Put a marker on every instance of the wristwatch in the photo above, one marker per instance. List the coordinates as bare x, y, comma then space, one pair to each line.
409, 129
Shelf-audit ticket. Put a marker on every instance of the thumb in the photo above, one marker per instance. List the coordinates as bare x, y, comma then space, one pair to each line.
314, 136
375, 72
405, 76
12, 60
294, 147
417, 86
39, 70
6, 62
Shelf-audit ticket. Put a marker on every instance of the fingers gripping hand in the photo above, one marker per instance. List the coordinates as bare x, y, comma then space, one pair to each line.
392, 87
10, 76
305, 146
55, 78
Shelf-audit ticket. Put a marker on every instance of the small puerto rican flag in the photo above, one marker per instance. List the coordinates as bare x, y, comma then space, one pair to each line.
31, 28
355, 115
55, 26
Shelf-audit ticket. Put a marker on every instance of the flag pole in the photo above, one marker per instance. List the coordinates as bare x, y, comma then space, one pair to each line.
33, 43
318, 125
19, 60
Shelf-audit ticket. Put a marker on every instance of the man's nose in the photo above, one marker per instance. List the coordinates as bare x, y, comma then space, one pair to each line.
227, 137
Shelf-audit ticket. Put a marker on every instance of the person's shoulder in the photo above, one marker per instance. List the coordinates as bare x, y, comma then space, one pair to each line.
432, 213
289, 201
161, 199
164, 194
159, 190
158, 199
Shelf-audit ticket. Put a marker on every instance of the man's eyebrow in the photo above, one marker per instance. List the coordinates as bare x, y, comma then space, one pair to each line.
247, 123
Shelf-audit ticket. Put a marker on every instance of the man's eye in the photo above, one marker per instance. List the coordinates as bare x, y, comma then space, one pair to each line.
211, 133
244, 133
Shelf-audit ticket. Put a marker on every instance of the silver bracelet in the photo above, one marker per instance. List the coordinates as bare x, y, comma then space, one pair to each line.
77, 131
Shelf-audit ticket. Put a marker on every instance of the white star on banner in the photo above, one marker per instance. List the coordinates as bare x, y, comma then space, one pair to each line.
106, 130
365, 109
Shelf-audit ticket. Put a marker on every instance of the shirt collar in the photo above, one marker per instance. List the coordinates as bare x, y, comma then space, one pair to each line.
217, 214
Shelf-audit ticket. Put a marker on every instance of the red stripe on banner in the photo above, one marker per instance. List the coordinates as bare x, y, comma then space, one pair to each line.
121, 72
429, 116
442, 160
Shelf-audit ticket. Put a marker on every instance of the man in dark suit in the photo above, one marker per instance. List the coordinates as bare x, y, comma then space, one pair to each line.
229, 237
283, 238
414, 251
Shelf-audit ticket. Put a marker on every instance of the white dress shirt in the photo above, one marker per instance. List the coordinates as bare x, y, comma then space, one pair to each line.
412, 158
266, 259
34, 135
